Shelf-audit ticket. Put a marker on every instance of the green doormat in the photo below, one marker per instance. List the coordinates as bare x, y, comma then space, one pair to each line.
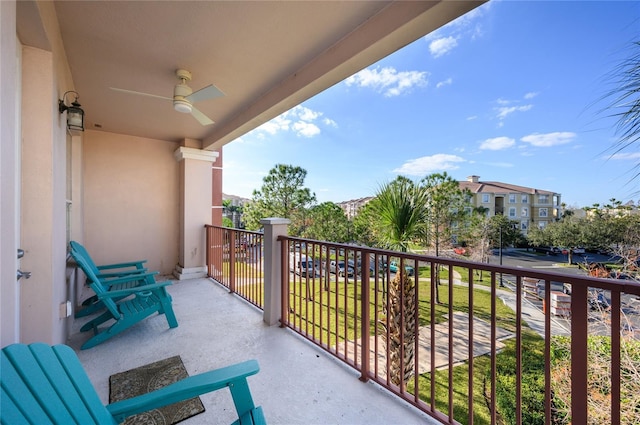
147, 378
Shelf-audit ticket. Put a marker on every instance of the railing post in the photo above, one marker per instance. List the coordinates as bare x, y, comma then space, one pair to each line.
232, 259
579, 365
273, 227
365, 363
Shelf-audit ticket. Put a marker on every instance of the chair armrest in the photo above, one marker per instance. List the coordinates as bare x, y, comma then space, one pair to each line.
234, 376
136, 264
131, 291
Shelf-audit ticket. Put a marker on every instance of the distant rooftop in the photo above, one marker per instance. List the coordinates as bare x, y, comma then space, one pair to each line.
474, 184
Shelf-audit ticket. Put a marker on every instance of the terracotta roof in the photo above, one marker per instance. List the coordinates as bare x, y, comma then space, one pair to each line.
499, 187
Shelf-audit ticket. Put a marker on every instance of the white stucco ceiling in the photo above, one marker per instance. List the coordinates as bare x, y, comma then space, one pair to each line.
266, 56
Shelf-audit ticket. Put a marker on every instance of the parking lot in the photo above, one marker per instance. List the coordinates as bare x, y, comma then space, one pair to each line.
599, 300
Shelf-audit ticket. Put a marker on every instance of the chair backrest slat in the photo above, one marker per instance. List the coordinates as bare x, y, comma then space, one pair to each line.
81, 250
95, 283
43, 384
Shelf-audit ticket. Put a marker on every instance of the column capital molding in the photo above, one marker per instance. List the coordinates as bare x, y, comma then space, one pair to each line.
183, 153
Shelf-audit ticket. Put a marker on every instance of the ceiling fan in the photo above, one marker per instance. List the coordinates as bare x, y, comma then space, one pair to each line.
184, 98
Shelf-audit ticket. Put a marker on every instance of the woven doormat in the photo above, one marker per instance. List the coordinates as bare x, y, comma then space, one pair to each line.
147, 378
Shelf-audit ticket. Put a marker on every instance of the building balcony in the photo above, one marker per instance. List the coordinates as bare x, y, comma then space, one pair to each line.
484, 331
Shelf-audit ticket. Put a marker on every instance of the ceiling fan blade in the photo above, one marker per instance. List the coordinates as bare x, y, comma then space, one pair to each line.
140, 93
205, 93
202, 118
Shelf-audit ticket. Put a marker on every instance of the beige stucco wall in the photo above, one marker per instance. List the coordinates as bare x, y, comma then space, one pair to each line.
41, 204
131, 199
9, 178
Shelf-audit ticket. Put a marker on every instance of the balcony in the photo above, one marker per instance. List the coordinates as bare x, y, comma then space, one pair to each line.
297, 383
328, 360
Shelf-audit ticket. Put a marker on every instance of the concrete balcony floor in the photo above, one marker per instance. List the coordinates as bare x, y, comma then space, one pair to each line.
297, 383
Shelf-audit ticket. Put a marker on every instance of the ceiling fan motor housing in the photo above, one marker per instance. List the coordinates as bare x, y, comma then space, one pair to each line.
180, 103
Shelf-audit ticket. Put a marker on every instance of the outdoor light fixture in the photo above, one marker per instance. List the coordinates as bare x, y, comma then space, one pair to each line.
75, 114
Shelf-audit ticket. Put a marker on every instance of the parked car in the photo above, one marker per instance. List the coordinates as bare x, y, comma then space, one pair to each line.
394, 267
358, 268
555, 286
340, 268
460, 250
301, 265
578, 250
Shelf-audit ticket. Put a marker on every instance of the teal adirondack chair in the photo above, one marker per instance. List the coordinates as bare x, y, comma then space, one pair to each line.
42, 384
109, 270
107, 274
125, 307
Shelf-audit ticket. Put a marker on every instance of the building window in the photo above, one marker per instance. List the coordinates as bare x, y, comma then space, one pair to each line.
467, 211
543, 212
485, 198
543, 199
454, 239
512, 198
525, 199
524, 225
542, 224
512, 212
525, 212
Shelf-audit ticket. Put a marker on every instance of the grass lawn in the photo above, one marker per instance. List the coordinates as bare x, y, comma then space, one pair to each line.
329, 310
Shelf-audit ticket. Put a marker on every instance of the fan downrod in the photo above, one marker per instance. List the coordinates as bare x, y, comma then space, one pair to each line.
183, 75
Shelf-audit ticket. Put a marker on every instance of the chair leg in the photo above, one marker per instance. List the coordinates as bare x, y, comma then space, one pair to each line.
93, 324
101, 337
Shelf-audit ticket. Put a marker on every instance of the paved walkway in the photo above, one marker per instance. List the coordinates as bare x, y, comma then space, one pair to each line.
459, 354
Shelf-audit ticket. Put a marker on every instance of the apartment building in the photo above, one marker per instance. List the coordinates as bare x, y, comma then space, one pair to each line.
529, 206
352, 206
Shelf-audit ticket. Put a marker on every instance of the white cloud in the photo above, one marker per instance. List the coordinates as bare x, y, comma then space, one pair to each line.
300, 120
504, 111
549, 139
531, 95
442, 46
446, 82
497, 143
279, 123
305, 113
306, 129
429, 164
626, 156
388, 81
330, 123
500, 164
468, 25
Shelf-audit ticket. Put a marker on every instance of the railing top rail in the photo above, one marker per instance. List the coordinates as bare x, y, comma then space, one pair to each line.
211, 226
629, 287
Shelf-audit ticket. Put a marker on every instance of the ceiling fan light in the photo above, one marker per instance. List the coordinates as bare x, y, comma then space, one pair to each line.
182, 106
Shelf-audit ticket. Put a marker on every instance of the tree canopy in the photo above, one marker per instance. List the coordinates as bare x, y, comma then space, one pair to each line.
282, 195
400, 206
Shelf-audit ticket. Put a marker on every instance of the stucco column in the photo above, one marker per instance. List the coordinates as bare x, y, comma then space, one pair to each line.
273, 227
195, 210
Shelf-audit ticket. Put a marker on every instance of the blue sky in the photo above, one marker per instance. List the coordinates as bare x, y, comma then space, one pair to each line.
510, 92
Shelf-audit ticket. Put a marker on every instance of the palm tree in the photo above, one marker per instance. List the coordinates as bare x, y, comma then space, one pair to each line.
400, 206
624, 104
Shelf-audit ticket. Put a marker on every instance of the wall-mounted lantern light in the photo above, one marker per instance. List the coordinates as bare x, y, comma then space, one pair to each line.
75, 114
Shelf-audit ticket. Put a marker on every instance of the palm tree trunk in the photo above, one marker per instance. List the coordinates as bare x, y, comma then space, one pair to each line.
402, 328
